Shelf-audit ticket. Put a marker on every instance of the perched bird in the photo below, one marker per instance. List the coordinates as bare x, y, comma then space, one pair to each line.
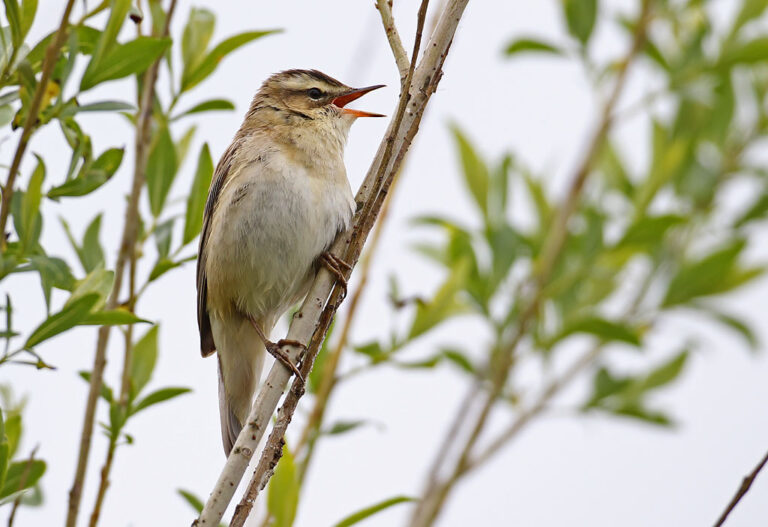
278, 198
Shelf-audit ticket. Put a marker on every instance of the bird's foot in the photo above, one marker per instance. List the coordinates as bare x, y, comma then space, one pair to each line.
276, 350
336, 266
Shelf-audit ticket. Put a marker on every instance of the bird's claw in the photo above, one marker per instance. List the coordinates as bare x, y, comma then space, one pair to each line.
276, 350
334, 264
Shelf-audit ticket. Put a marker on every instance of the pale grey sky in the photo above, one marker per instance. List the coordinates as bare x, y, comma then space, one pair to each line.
590, 471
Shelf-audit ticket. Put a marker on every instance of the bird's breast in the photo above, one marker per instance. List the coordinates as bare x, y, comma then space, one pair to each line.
272, 220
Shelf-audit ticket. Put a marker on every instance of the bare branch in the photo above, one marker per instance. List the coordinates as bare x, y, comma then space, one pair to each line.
320, 304
746, 483
127, 247
51, 56
393, 37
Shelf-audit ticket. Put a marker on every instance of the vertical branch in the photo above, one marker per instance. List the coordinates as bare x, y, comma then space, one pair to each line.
127, 248
323, 299
51, 56
393, 37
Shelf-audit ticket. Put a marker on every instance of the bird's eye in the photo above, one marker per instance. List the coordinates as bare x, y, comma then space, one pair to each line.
314, 93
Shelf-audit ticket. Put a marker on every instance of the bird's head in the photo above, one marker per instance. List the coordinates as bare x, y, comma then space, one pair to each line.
308, 98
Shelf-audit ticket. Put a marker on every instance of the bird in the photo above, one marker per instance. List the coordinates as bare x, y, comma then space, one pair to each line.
278, 197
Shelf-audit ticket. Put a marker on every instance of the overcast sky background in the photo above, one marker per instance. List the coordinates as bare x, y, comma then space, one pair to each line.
594, 471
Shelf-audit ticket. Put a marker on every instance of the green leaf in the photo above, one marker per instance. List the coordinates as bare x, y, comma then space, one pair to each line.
91, 254
113, 317
182, 145
751, 52
91, 176
6, 114
706, 276
475, 171
580, 17
143, 360
158, 396
12, 433
444, 305
649, 231
161, 170
193, 221
195, 502
360, 515
106, 391
164, 237
527, 45
108, 38
70, 316
22, 475
757, 211
125, 59
750, 9
98, 281
28, 11
103, 106
665, 373
30, 208
14, 20
342, 427
605, 330
54, 272
210, 105
283, 492
737, 325
197, 35
194, 76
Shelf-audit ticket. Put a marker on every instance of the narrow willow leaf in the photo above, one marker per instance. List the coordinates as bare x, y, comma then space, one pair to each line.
143, 360
750, 52
28, 11
125, 59
750, 9
108, 38
606, 330
91, 253
106, 106
106, 392
367, 512
703, 277
30, 207
70, 316
12, 433
157, 397
163, 237
22, 475
527, 45
194, 502
444, 305
113, 317
182, 145
214, 57
13, 15
342, 427
665, 373
98, 281
92, 176
161, 170
193, 221
209, 106
475, 171
197, 34
580, 17
283, 492
54, 272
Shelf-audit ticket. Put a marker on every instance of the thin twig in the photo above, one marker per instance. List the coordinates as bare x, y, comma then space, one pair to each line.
127, 247
393, 37
323, 298
51, 56
746, 483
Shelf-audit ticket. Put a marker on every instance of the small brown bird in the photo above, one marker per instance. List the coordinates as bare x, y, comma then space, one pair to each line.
278, 198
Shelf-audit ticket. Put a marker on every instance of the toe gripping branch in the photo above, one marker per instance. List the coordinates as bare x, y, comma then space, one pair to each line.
276, 349
336, 266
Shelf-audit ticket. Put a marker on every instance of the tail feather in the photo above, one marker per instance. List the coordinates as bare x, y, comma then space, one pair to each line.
230, 425
241, 357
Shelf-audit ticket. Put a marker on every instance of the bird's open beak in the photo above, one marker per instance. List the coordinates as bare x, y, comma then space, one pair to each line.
343, 100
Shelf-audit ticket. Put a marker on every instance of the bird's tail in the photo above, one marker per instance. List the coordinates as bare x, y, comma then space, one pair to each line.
241, 358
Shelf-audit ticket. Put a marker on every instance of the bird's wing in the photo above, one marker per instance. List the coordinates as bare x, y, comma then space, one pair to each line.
207, 345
